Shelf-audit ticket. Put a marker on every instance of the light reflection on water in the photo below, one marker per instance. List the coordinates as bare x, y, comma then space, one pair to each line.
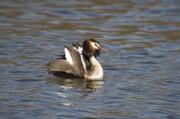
141, 61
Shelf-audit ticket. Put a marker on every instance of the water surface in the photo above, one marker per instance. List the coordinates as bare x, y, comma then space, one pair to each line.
141, 61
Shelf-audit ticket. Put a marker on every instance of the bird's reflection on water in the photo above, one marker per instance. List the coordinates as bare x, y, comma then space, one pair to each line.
90, 85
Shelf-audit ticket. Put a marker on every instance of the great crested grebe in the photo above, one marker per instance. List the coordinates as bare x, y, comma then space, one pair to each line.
78, 61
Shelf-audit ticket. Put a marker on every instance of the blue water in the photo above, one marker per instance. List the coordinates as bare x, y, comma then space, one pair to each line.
141, 60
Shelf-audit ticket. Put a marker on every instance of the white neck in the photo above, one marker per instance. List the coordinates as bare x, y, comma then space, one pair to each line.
96, 72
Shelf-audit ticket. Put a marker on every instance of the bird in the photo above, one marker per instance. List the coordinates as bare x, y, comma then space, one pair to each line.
78, 61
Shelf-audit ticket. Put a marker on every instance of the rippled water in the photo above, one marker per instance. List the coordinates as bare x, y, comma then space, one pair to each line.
141, 61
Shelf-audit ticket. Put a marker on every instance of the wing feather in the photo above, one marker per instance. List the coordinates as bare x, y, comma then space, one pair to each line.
59, 65
76, 57
72, 63
68, 55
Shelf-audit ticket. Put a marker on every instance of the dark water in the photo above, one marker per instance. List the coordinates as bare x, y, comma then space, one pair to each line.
141, 61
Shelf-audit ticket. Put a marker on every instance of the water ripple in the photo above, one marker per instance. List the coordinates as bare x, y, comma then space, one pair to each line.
141, 61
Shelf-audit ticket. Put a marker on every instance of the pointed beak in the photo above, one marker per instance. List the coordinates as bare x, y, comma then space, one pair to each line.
100, 47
